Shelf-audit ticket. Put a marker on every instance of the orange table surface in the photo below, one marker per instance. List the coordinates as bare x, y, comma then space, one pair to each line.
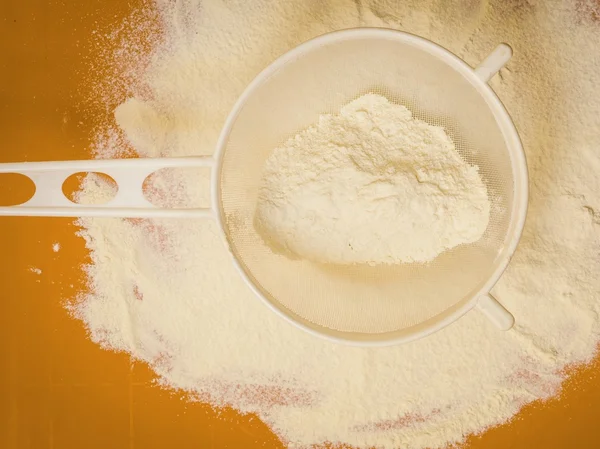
57, 388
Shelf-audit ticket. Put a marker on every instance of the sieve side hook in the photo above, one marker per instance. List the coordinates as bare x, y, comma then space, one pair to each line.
493, 62
496, 312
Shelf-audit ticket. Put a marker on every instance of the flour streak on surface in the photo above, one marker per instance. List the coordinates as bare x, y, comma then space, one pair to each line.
166, 292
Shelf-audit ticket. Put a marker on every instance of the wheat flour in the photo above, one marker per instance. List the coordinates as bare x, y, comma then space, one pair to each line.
370, 185
166, 292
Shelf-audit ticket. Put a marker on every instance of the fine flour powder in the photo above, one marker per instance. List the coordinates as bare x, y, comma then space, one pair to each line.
165, 291
370, 185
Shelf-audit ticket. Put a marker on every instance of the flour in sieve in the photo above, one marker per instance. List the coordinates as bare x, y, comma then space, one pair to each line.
166, 292
370, 185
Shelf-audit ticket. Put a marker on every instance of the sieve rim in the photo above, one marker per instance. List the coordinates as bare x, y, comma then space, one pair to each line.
518, 165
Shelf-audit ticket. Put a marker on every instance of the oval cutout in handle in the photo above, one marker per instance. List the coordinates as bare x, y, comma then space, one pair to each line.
15, 189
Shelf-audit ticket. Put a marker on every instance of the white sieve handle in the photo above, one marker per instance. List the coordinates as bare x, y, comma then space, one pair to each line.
496, 312
50, 201
494, 62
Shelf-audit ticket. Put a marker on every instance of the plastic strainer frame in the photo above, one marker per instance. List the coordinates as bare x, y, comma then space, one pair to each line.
130, 174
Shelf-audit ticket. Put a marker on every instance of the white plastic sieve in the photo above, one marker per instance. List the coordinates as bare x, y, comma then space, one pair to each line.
357, 304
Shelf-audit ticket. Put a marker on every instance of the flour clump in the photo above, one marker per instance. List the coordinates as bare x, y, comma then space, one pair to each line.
370, 185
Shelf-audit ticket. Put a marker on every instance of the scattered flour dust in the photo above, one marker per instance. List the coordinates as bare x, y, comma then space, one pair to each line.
166, 292
56, 247
370, 185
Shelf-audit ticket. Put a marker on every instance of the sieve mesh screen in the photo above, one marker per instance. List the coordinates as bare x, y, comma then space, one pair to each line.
364, 301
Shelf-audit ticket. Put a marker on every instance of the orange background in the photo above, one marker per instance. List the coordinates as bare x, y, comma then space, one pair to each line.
57, 388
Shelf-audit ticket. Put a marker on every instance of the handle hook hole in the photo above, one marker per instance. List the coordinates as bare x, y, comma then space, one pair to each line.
169, 187
90, 188
15, 189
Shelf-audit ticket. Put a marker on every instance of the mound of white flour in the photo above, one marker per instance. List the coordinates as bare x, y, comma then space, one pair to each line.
370, 185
